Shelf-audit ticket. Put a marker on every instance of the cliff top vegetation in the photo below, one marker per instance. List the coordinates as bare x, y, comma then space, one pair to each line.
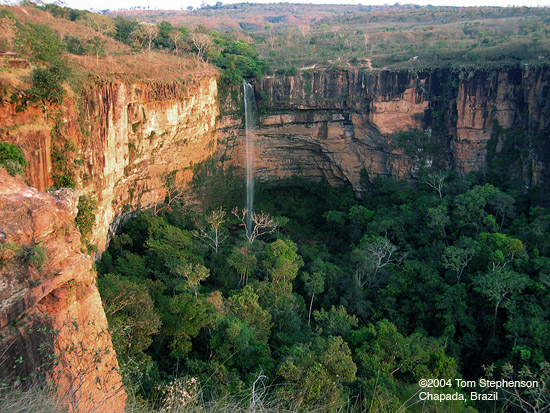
91, 43
294, 36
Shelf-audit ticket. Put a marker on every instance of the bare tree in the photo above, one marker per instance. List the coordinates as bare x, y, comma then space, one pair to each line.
178, 41
435, 179
202, 43
99, 23
214, 234
145, 34
262, 223
372, 257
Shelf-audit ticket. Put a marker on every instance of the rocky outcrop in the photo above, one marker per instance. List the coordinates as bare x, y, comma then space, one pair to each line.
51, 318
337, 123
128, 146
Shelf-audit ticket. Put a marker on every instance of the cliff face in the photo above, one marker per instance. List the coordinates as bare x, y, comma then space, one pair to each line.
334, 124
128, 146
143, 142
51, 318
133, 146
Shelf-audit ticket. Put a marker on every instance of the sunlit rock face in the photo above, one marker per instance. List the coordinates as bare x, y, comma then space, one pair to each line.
51, 317
337, 123
137, 143
134, 145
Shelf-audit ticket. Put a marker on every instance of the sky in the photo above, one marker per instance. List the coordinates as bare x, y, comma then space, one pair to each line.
183, 4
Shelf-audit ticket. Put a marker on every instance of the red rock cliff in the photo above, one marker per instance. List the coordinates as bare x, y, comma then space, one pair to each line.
51, 317
127, 145
336, 123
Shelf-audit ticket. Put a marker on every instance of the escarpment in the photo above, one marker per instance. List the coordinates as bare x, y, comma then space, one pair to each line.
343, 125
51, 318
124, 146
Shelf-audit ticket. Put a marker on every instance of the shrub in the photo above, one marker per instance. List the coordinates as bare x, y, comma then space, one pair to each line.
33, 255
85, 219
12, 158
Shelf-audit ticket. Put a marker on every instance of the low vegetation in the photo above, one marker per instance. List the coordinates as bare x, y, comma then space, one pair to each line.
12, 158
295, 36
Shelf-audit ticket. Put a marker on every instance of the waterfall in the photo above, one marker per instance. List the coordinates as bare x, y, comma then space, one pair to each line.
249, 114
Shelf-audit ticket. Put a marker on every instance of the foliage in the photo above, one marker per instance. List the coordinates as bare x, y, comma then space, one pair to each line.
47, 86
85, 219
34, 255
237, 60
39, 42
12, 158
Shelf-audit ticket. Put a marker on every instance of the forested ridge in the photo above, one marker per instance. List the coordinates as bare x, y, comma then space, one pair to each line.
347, 304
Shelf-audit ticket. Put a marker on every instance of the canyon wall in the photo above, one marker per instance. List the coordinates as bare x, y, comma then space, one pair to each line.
337, 123
124, 145
51, 317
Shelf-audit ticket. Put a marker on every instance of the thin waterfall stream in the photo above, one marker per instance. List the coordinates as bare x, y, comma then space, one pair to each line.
249, 120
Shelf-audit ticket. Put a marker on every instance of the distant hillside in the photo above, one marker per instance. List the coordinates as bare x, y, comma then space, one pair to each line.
292, 36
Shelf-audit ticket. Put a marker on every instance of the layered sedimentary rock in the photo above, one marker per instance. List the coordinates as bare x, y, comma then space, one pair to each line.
51, 317
144, 140
335, 124
126, 146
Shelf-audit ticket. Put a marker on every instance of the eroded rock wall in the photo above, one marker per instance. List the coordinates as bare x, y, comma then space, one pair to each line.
128, 146
334, 124
144, 144
51, 317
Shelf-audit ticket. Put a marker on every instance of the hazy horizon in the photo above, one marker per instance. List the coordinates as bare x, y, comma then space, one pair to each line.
183, 5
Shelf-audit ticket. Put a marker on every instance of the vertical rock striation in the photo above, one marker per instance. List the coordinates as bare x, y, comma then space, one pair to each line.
337, 123
51, 317
129, 146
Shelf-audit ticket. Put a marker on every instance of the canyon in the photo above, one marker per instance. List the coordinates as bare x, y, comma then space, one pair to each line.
141, 144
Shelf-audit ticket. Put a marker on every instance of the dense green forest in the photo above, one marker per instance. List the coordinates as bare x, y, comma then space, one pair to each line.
338, 302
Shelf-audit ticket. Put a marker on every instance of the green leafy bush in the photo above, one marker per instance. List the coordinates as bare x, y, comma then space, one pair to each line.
85, 219
12, 158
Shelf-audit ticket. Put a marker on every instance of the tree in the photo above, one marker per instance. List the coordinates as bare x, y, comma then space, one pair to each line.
214, 235
145, 34
314, 375
245, 306
40, 42
124, 29
435, 178
374, 254
12, 158
504, 206
243, 261
314, 283
187, 316
178, 40
131, 314
282, 261
458, 256
201, 41
262, 223
47, 86
96, 45
438, 220
99, 23
336, 321
497, 285
500, 249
